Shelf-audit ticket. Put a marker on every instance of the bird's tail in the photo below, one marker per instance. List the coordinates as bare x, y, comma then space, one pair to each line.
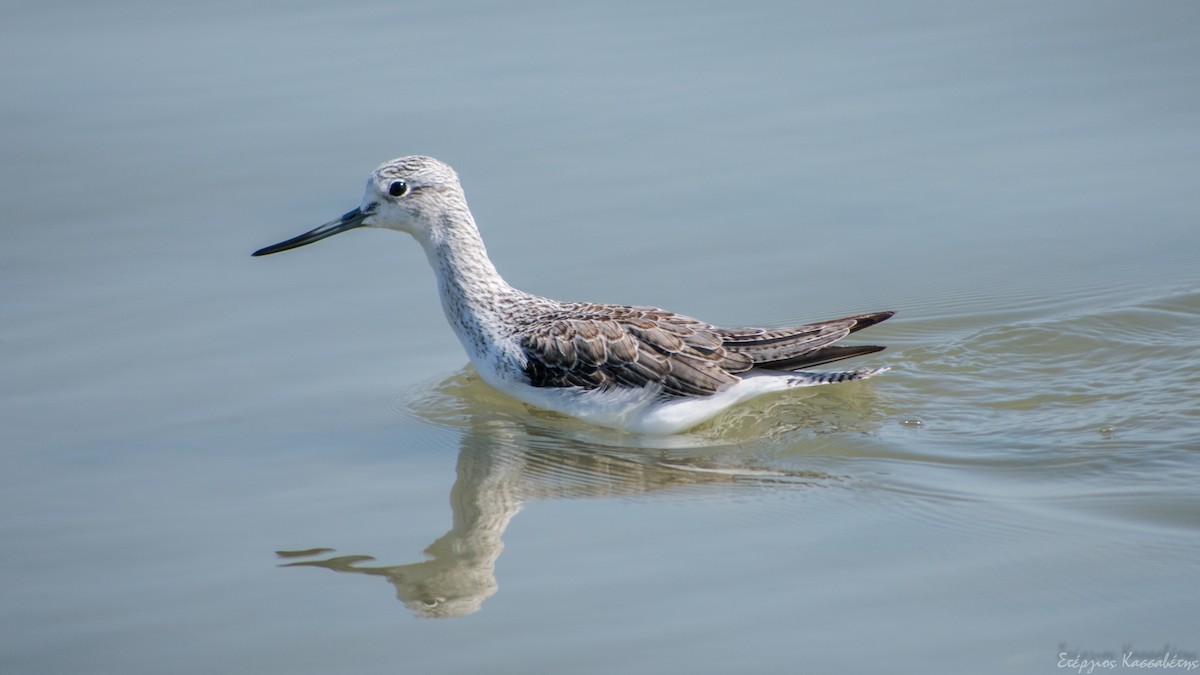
807, 379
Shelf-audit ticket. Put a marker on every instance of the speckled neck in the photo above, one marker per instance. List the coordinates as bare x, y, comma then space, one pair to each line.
471, 289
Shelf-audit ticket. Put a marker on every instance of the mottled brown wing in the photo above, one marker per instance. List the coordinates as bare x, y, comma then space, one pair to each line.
604, 346
800, 346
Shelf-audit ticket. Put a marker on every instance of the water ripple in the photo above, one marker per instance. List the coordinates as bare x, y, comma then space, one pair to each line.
1073, 409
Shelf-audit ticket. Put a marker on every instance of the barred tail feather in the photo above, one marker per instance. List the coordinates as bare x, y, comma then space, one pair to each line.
807, 379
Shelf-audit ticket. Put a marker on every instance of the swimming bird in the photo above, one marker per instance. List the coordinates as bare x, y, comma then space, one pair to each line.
641, 369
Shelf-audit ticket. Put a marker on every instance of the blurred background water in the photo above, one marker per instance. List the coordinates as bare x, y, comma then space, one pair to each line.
192, 440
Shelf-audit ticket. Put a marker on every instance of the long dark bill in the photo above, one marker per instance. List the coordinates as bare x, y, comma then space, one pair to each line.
349, 221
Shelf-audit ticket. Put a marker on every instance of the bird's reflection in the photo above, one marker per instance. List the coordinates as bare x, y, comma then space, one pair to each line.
511, 454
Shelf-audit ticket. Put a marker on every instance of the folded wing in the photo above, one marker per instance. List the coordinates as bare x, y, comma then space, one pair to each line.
604, 346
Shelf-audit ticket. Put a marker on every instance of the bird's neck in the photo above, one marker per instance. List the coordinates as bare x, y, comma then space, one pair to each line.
471, 289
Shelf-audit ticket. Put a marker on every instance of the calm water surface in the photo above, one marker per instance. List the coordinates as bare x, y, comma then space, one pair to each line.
218, 464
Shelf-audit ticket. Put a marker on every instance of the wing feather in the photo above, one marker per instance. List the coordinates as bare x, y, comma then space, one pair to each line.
798, 346
602, 346
595, 346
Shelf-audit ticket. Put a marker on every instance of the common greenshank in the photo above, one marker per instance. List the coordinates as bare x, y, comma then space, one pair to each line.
641, 369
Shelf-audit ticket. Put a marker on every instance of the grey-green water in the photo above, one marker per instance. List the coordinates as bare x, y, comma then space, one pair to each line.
192, 439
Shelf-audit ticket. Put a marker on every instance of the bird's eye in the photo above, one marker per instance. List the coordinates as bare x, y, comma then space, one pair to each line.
398, 188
